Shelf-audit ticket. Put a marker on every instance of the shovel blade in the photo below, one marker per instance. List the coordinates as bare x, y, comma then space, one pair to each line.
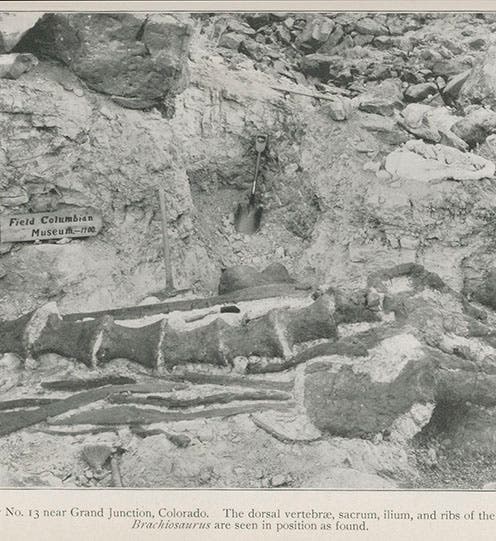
247, 219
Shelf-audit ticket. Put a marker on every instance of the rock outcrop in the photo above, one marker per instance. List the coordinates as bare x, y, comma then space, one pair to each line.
136, 58
476, 127
12, 66
480, 85
244, 276
13, 26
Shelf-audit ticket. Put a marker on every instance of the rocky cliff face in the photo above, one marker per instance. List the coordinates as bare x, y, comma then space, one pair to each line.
381, 153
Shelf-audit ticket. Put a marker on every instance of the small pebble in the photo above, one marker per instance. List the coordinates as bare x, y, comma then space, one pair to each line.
179, 440
279, 480
100, 474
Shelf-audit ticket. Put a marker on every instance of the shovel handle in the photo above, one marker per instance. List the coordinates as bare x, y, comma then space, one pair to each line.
255, 178
261, 142
260, 146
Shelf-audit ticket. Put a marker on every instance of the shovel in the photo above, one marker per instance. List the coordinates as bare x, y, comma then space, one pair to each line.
247, 217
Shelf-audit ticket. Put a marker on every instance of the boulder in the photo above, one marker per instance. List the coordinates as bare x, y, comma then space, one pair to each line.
233, 25
288, 23
419, 92
334, 39
243, 276
12, 66
485, 293
377, 71
340, 109
433, 124
121, 54
231, 40
96, 455
400, 23
448, 68
454, 85
476, 126
464, 428
317, 65
369, 26
384, 99
346, 43
316, 32
363, 39
253, 49
239, 277
283, 34
13, 26
477, 43
257, 20
277, 273
480, 85
384, 129
419, 161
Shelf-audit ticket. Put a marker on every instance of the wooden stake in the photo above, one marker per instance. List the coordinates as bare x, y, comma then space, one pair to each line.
169, 281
